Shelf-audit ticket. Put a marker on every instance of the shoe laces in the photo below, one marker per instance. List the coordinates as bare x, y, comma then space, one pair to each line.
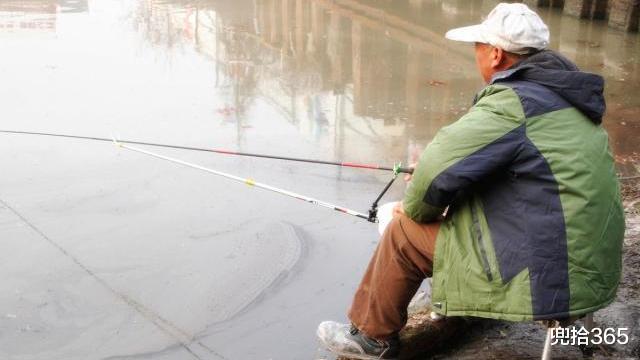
354, 331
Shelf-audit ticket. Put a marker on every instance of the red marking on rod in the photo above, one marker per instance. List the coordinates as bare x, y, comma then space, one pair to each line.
340, 209
224, 151
364, 166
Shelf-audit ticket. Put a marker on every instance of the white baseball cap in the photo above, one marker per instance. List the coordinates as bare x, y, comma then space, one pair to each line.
512, 27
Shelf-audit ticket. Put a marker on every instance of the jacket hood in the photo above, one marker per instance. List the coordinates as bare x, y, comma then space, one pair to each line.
582, 90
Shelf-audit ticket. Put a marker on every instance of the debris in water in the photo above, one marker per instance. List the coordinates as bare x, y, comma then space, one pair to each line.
226, 110
436, 83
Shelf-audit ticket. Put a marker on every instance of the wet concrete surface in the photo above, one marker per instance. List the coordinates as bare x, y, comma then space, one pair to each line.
109, 254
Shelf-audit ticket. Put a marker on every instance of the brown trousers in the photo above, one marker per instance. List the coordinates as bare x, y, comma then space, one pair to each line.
403, 259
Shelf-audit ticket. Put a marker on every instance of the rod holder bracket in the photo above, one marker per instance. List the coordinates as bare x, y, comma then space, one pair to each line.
373, 214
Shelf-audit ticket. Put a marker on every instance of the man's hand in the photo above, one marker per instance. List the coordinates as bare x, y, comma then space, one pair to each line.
398, 209
408, 177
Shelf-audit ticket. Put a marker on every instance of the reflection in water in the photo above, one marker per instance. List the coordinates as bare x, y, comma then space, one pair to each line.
361, 72
36, 15
73, 6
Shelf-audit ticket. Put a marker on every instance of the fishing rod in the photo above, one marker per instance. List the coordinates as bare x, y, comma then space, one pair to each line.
396, 168
372, 216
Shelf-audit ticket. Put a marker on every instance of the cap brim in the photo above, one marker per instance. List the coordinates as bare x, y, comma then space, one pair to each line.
473, 33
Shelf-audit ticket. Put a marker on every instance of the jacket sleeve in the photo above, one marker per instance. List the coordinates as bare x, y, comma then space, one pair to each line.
480, 143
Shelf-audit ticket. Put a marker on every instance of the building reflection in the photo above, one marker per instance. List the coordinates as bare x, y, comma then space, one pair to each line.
336, 69
36, 15
378, 67
356, 72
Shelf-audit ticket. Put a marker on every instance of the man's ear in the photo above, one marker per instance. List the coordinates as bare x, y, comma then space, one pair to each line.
497, 57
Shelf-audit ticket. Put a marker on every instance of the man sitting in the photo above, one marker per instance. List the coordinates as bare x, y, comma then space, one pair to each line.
534, 224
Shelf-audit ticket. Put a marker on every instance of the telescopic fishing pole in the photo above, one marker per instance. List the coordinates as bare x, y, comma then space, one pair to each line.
250, 182
396, 168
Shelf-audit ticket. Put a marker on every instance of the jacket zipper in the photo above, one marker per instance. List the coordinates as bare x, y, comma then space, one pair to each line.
483, 251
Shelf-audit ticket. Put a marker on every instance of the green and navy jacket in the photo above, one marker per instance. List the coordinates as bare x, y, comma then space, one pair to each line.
534, 223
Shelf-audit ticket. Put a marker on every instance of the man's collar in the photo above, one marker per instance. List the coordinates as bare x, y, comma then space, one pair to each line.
501, 75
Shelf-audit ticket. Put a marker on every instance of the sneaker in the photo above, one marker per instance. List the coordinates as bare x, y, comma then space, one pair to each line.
346, 340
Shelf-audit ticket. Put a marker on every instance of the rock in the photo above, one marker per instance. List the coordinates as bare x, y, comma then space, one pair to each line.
617, 316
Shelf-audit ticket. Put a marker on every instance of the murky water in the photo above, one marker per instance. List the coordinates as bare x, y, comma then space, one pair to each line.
111, 254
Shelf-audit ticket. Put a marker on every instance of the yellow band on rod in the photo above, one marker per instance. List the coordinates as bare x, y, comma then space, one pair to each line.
250, 182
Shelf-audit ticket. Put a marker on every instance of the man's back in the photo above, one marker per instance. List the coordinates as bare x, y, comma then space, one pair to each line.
534, 226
